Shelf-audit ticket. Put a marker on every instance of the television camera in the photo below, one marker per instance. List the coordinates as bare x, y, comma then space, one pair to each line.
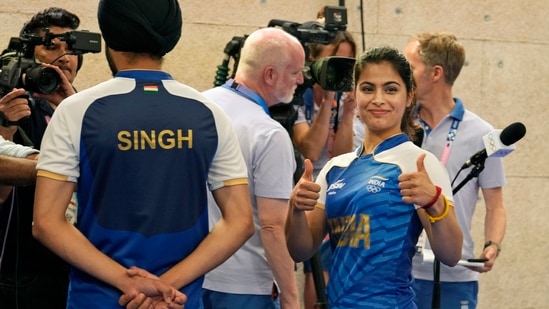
331, 73
19, 69
314, 32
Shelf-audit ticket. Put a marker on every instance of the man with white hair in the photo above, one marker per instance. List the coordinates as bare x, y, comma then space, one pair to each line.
269, 70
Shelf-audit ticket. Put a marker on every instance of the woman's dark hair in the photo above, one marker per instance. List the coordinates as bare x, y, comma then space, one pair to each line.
398, 61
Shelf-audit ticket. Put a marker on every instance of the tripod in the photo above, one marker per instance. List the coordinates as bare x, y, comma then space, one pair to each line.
318, 279
475, 171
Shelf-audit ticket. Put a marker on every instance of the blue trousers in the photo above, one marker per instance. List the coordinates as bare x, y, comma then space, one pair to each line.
219, 300
453, 295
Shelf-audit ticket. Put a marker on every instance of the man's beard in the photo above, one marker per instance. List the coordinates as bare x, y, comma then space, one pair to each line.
286, 97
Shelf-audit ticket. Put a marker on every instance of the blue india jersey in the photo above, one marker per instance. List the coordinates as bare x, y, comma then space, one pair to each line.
373, 233
143, 149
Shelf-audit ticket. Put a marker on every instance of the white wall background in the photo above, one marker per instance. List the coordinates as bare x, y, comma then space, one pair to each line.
505, 80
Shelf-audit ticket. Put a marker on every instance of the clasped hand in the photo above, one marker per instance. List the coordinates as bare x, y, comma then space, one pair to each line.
149, 292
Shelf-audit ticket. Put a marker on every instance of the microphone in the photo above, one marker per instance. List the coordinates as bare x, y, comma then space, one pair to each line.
498, 143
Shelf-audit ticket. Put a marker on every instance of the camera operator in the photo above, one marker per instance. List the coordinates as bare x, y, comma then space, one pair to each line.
31, 276
324, 125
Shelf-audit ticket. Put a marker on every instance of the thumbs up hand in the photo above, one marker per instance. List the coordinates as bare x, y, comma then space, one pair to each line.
305, 194
416, 187
308, 172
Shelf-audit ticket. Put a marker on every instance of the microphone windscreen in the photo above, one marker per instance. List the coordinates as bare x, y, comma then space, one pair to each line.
512, 133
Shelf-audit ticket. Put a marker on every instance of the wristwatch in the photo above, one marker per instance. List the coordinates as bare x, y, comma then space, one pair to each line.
492, 243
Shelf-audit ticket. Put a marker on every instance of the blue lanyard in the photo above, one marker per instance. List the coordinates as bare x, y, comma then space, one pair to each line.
247, 93
456, 115
452, 132
449, 140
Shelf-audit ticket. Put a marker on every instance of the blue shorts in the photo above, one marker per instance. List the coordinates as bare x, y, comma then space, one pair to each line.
325, 251
453, 295
220, 300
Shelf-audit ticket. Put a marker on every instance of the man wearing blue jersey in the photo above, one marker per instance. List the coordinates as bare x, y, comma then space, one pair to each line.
376, 201
141, 147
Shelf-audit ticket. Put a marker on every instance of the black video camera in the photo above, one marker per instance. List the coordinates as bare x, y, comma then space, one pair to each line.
314, 32
331, 73
19, 68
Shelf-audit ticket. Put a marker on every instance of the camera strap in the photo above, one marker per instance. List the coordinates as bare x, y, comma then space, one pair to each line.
5, 122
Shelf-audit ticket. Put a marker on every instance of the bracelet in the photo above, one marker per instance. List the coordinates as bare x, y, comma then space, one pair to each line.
435, 199
444, 213
492, 243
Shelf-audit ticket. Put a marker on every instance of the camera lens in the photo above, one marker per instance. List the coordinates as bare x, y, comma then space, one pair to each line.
334, 73
40, 79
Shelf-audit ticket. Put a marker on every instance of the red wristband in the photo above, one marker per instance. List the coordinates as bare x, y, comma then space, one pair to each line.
435, 199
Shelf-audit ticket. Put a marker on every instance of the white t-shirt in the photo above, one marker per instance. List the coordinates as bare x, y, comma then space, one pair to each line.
12, 149
269, 156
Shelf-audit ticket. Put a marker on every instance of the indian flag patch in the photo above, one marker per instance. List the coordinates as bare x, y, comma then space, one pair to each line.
150, 89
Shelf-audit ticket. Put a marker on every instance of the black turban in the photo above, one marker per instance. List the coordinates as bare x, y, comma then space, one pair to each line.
140, 26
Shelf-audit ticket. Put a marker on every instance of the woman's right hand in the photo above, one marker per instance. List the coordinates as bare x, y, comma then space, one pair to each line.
305, 194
